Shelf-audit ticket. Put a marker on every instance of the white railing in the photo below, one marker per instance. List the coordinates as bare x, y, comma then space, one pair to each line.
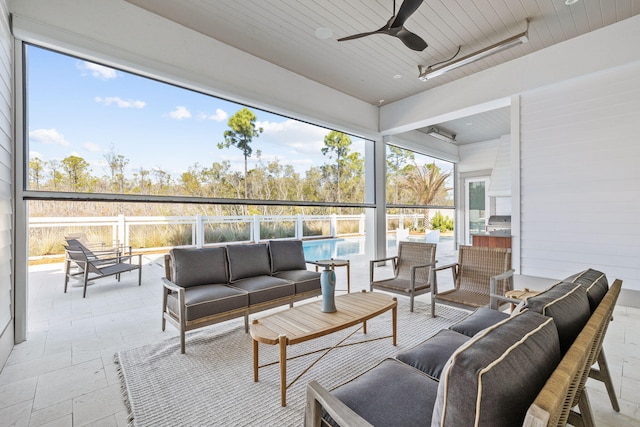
257, 225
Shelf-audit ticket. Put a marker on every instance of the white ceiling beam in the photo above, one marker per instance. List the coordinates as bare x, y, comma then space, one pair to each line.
612, 46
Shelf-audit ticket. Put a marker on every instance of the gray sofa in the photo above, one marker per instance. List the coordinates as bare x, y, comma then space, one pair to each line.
211, 285
486, 370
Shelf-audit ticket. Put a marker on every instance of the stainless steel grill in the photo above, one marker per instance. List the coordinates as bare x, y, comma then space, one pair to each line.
499, 225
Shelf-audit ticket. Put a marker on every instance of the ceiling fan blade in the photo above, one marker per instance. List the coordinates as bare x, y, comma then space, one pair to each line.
406, 10
357, 36
411, 40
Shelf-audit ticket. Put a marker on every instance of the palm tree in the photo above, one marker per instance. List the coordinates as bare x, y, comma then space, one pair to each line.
426, 182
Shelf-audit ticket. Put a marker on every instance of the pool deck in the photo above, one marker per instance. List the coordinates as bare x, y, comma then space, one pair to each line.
64, 373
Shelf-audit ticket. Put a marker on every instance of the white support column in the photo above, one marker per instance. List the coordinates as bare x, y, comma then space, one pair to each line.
375, 177
299, 233
255, 235
122, 236
199, 231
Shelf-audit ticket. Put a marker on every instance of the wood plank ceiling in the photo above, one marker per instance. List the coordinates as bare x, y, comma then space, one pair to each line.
380, 69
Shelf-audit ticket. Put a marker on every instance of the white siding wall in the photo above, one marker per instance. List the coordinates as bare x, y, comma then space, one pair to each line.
580, 176
481, 155
6, 173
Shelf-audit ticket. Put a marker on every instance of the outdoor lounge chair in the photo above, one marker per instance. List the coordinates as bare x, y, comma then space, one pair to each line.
472, 277
413, 269
97, 249
99, 268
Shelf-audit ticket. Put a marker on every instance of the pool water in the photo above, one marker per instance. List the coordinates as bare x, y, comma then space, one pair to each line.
344, 247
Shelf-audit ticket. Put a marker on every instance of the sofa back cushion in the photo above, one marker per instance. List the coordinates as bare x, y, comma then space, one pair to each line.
286, 255
248, 261
494, 378
595, 282
193, 267
568, 304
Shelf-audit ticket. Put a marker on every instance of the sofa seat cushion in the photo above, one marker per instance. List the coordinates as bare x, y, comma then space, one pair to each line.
305, 280
568, 304
248, 261
206, 300
595, 282
493, 378
265, 288
480, 319
390, 394
431, 355
193, 267
286, 255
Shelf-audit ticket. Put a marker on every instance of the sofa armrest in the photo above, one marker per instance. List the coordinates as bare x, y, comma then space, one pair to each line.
168, 284
319, 398
494, 298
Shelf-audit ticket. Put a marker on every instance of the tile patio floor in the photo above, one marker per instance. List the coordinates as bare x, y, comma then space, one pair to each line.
64, 374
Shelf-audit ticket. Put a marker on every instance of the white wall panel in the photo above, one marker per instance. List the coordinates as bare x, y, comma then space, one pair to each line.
6, 211
580, 202
478, 156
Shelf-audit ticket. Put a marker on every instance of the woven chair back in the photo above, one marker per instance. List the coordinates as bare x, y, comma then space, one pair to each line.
415, 253
478, 264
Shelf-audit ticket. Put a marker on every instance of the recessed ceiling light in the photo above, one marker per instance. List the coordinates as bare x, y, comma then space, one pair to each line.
324, 33
570, 2
397, 76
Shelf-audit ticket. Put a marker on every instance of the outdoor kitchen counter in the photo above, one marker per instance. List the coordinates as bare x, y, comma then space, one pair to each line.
492, 240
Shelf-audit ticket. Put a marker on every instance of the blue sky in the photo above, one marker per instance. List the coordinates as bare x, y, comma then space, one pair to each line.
80, 108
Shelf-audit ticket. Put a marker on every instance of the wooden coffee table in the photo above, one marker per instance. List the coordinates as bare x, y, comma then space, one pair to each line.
306, 322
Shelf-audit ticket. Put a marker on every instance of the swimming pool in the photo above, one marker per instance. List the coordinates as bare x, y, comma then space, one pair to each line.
345, 247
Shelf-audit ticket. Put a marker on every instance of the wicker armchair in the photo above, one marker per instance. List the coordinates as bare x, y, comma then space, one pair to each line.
412, 267
472, 277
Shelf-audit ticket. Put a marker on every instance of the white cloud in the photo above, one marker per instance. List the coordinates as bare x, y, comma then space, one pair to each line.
302, 137
219, 116
35, 155
121, 103
48, 136
98, 71
92, 147
180, 113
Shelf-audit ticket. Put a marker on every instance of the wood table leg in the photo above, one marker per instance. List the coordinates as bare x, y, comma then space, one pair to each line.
394, 322
348, 276
282, 339
255, 361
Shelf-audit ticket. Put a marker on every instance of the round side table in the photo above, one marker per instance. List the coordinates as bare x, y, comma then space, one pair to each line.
337, 263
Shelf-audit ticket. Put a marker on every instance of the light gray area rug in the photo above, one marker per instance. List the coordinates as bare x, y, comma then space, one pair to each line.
212, 384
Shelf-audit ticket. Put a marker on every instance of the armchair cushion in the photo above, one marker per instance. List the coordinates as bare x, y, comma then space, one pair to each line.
567, 303
480, 319
193, 267
595, 282
493, 378
432, 355
390, 394
286, 255
248, 261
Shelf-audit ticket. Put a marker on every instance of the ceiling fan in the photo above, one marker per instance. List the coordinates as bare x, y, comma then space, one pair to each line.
395, 27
